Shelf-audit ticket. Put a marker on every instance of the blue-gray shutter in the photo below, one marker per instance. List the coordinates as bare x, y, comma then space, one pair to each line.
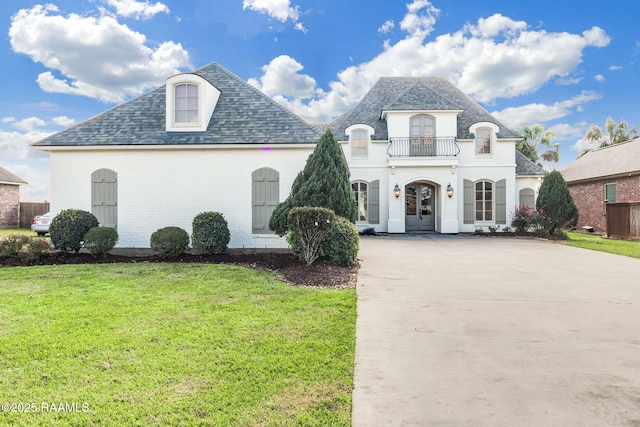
501, 201
104, 197
527, 197
265, 196
374, 202
469, 202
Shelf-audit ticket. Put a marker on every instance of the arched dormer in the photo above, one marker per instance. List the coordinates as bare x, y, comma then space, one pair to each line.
485, 137
359, 137
190, 101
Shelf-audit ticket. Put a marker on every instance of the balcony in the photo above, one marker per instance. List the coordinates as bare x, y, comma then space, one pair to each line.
423, 147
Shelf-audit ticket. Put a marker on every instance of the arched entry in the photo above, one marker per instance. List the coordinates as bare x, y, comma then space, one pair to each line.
420, 206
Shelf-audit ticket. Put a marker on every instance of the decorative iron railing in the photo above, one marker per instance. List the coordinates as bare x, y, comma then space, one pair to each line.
423, 147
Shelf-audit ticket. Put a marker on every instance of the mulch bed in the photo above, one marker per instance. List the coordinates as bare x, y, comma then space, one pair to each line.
287, 266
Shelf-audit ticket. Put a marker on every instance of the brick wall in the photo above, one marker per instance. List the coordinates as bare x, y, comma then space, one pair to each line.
589, 198
9, 205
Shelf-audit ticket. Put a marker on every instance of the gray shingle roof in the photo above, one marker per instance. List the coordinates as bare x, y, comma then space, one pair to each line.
623, 158
415, 93
243, 115
524, 166
9, 178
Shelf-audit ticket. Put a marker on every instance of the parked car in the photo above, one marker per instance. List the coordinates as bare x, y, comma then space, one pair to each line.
40, 224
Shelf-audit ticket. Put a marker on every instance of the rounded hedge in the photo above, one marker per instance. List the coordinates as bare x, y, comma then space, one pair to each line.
342, 244
69, 228
100, 240
210, 233
169, 241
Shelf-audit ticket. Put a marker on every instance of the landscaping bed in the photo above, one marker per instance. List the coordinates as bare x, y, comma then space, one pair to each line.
286, 265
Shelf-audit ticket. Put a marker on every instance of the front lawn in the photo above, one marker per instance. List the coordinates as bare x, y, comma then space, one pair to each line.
595, 242
4, 232
172, 344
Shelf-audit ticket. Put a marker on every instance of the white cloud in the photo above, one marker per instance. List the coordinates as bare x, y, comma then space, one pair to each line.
94, 57
277, 9
8, 119
137, 9
582, 145
63, 121
281, 77
16, 145
615, 68
419, 24
516, 117
564, 131
30, 124
387, 27
496, 57
599, 78
36, 173
568, 81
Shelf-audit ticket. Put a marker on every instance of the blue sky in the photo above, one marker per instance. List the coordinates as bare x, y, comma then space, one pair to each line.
563, 64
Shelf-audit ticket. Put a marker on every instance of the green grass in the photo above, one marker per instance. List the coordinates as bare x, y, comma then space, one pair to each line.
597, 243
173, 344
9, 231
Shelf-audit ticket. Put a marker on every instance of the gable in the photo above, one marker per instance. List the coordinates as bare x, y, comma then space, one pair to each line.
242, 115
395, 93
8, 178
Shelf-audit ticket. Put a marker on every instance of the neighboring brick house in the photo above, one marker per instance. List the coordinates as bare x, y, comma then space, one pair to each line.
605, 175
9, 199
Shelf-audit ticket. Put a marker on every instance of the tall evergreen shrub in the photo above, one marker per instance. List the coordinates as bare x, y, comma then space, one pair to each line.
555, 203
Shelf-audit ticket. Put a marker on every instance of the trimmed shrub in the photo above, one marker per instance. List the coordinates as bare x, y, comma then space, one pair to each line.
37, 248
210, 233
369, 231
342, 243
310, 226
100, 240
12, 244
68, 228
169, 241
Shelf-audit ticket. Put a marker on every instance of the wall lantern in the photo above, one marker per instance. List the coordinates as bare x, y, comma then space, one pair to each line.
396, 191
449, 190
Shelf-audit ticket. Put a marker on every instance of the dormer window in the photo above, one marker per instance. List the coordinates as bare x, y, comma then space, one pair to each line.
359, 144
186, 103
359, 136
485, 137
483, 141
191, 100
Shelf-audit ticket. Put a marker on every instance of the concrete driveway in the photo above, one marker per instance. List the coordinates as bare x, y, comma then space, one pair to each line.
459, 331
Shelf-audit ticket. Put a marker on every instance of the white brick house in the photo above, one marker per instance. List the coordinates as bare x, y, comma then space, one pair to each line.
208, 141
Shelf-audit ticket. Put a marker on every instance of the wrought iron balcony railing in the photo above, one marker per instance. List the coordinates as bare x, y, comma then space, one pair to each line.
423, 147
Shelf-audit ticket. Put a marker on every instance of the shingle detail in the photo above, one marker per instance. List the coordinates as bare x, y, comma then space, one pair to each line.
243, 115
622, 158
524, 166
9, 178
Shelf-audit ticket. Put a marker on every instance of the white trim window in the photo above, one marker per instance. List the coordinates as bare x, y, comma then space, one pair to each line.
483, 141
187, 107
359, 140
484, 201
359, 190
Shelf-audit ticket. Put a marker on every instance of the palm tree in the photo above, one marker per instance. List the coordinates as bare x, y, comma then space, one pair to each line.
616, 133
536, 138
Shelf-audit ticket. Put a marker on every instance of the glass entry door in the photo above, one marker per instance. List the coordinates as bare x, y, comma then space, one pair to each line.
419, 209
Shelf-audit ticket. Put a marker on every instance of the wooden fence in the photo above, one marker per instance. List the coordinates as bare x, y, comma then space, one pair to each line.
29, 210
623, 220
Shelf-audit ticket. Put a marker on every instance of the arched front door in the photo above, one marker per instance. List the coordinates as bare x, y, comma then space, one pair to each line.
420, 204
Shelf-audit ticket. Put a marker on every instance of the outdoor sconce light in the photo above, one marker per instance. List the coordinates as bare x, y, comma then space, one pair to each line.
449, 190
396, 191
